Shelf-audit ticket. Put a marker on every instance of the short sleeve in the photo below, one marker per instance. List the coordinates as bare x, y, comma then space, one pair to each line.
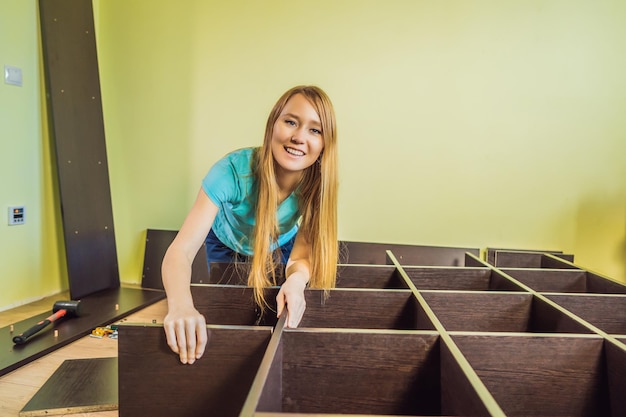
219, 184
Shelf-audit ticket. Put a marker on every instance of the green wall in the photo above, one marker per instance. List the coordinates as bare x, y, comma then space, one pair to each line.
482, 123
31, 258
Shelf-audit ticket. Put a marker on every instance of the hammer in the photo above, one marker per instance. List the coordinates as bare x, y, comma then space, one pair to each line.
60, 309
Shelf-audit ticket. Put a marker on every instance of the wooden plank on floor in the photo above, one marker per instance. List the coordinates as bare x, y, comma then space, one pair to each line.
77, 386
97, 309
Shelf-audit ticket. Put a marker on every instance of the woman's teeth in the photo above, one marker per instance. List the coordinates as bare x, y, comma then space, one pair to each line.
294, 152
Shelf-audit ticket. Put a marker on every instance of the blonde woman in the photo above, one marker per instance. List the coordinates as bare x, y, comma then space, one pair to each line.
276, 204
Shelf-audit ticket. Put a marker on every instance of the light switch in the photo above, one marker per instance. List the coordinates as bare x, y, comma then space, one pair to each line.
12, 75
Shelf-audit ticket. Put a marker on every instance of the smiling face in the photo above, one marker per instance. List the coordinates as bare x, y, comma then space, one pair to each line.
297, 139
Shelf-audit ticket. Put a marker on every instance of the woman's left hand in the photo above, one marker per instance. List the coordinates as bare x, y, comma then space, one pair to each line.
290, 298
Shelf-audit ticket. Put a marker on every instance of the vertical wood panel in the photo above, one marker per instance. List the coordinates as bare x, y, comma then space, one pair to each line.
77, 130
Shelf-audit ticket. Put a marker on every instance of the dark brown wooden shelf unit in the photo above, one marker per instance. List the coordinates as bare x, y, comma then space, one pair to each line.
540, 338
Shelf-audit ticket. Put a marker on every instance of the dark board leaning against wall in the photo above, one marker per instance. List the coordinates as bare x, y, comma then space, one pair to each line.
77, 131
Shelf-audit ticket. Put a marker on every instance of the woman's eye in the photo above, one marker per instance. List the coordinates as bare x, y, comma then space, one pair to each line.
316, 131
290, 122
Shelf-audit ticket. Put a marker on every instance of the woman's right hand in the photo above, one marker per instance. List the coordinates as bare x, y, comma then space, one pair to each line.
186, 333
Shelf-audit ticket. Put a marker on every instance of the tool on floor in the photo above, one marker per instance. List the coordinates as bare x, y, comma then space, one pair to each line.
60, 309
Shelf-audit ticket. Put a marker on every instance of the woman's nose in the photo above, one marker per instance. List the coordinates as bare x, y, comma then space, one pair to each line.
296, 138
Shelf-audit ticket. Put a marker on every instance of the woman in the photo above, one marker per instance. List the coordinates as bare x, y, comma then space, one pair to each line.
275, 203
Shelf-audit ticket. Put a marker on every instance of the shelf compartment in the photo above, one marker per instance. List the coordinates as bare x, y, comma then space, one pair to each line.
364, 309
369, 276
565, 280
352, 372
529, 259
153, 382
459, 279
549, 375
499, 312
606, 312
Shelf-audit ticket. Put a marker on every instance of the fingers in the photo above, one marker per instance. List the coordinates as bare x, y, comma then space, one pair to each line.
170, 335
280, 302
202, 338
293, 303
296, 311
188, 354
186, 336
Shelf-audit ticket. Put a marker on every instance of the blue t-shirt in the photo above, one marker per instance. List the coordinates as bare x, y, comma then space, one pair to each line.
231, 185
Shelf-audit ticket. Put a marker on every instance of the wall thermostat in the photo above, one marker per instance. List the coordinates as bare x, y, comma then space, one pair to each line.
17, 215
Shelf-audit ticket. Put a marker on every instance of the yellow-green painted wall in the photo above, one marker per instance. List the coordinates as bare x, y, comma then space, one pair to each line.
462, 123
481, 123
31, 257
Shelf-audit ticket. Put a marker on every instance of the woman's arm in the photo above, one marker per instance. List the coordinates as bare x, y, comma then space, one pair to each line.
298, 273
185, 327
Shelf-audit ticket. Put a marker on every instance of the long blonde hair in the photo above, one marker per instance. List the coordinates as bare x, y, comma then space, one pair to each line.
317, 201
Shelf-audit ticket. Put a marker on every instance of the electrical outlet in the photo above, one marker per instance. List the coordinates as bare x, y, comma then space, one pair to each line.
17, 215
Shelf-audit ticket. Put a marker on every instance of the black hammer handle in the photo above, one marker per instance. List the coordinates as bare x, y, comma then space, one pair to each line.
20, 339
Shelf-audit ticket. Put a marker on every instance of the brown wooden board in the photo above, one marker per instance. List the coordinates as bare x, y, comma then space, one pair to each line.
348, 276
97, 309
77, 386
515, 259
361, 309
541, 376
439, 278
603, 285
350, 353
528, 259
459, 395
369, 276
558, 261
607, 312
269, 414
491, 253
375, 253
349, 308
233, 304
481, 311
157, 242
500, 281
474, 260
616, 368
152, 381
77, 131
498, 312
550, 280
340, 371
